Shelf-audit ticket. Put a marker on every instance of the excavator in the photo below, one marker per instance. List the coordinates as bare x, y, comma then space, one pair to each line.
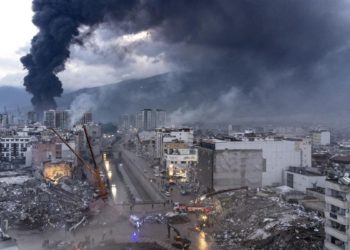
180, 243
95, 172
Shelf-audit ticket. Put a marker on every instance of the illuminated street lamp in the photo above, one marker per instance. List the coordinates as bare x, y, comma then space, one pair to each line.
171, 170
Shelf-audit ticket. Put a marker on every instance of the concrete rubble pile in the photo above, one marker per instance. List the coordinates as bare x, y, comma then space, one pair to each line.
37, 204
261, 220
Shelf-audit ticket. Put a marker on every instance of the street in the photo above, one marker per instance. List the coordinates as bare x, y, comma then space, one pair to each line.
112, 221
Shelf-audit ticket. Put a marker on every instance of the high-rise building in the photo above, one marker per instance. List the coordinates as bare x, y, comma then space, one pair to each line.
32, 117
124, 122
87, 118
57, 119
149, 119
139, 121
160, 118
49, 118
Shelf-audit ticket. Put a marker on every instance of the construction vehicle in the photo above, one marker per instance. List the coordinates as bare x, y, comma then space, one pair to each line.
180, 243
95, 172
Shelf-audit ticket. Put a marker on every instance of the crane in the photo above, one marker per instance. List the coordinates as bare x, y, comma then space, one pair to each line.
94, 171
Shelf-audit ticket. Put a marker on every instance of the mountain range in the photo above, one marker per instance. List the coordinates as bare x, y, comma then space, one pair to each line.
170, 91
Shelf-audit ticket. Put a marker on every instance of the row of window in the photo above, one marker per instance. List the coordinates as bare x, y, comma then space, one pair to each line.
8, 154
7, 145
14, 140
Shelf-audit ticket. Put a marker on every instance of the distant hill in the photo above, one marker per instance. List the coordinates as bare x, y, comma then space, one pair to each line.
13, 97
167, 91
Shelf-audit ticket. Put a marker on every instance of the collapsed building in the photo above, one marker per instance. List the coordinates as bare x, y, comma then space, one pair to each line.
262, 220
54, 172
35, 204
55, 185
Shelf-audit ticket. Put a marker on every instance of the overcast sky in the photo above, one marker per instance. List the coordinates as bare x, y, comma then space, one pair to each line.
277, 55
88, 66
16, 32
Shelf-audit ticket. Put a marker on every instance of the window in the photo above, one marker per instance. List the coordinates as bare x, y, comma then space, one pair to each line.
264, 165
290, 180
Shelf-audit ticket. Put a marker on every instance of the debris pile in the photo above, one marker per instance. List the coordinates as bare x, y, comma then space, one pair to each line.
169, 217
35, 204
262, 220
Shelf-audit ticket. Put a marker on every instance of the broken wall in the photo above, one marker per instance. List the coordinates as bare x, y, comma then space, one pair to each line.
237, 168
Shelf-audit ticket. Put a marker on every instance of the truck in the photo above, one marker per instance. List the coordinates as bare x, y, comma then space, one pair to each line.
178, 207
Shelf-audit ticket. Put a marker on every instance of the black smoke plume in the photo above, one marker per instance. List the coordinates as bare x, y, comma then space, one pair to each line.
273, 50
59, 23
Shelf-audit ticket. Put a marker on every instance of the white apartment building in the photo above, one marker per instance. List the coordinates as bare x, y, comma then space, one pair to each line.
277, 156
13, 147
321, 138
337, 231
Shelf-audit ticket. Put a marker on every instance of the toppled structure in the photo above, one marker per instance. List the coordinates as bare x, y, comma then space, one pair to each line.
35, 204
260, 220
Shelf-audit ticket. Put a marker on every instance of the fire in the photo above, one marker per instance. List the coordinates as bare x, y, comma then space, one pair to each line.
55, 171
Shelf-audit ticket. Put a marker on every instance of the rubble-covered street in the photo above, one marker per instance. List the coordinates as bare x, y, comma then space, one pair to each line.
261, 220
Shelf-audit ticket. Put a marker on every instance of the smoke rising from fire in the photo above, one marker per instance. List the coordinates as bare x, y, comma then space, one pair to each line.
273, 52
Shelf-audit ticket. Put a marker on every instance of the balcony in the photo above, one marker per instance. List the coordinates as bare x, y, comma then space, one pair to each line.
336, 186
337, 201
330, 246
342, 219
336, 233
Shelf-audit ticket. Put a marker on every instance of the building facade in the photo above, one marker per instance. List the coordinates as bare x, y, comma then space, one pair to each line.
277, 156
166, 135
337, 215
146, 119
59, 119
229, 168
13, 148
300, 179
321, 138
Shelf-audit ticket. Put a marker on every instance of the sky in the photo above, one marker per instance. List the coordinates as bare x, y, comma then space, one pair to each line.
84, 69
14, 44
267, 57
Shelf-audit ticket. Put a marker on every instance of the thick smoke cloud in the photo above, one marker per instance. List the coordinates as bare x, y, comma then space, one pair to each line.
59, 23
274, 53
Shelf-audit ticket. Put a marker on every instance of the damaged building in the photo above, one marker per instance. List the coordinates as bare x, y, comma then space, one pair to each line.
55, 171
257, 162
